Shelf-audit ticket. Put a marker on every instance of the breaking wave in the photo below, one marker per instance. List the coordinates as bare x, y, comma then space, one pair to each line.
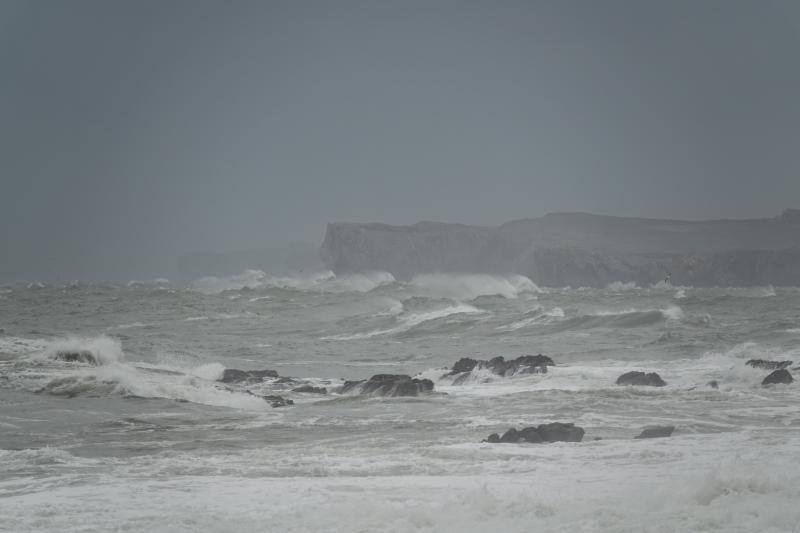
407, 322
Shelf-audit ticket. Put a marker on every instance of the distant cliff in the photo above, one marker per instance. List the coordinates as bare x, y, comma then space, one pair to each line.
579, 249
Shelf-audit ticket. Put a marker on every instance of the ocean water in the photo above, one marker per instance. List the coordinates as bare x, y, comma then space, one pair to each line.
149, 440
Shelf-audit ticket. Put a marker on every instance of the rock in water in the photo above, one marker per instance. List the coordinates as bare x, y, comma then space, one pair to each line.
277, 401
79, 356
555, 432
768, 365
389, 385
640, 378
526, 364
652, 432
781, 376
232, 375
311, 389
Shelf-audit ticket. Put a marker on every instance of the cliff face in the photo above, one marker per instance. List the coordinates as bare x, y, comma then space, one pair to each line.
579, 249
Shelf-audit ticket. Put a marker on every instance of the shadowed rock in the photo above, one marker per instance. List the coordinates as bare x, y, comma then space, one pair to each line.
78, 356
526, 364
311, 389
768, 365
232, 375
389, 385
642, 379
653, 432
781, 376
554, 432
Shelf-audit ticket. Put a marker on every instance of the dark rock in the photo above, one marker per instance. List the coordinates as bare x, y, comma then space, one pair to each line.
494, 438
465, 364
232, 375
768, 365
781, 376
640, 378
311, 389
560, 432
652, 432
389, 385
80, 356
526, 364
555, 432
714, 384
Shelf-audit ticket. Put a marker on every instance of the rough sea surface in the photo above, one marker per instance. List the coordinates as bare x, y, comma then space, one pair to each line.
149, 440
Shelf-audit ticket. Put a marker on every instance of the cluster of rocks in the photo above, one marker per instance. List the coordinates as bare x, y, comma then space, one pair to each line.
526, 364
388, 385
554, 432
564, 432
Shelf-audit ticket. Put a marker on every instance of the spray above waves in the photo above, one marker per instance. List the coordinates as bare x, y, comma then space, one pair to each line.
464, 287
321, 281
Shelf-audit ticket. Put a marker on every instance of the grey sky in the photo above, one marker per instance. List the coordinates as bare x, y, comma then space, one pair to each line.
131, 132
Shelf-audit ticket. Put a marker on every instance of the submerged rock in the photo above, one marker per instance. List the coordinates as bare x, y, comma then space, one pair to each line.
389, 385
232, 375
77, 356
554, 432
640, 378
781, 376
526, 364
311, 389
653, 432
768, 365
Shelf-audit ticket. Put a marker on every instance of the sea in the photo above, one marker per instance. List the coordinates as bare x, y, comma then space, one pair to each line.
149, 439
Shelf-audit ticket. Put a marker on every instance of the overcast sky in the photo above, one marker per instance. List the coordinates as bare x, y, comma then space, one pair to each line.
131, 132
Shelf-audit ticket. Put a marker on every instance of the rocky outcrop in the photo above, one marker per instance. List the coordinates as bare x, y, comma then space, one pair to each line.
388, 385
233, 375
768, 365
78, 356
526, 364
654, 432
781, 376
579, 249
650, 379
554, 432
311, 389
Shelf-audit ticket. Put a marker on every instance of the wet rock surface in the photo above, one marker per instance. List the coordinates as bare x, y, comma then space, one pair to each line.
778, 377
388, 385
650, 379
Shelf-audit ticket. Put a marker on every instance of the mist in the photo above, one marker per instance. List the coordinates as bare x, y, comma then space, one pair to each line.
134, 132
